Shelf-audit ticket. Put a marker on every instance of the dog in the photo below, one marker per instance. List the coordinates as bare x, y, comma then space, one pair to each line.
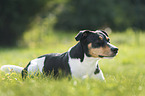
80, 61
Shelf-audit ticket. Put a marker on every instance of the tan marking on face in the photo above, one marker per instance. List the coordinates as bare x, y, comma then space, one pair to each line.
101, 37
103, 51
107, 38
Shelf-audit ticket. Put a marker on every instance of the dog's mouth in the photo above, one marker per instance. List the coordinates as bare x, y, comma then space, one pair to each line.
101, 56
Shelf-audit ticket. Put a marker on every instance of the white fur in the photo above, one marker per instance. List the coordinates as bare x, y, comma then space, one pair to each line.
11, 68
36, 65
86, 68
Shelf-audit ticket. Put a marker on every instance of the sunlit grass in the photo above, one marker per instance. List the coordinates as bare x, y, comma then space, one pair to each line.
124, 74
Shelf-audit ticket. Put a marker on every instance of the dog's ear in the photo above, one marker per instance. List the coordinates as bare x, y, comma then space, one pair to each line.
105, 33
82, 34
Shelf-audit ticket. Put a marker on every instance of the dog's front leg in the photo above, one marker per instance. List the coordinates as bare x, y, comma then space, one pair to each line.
99, 75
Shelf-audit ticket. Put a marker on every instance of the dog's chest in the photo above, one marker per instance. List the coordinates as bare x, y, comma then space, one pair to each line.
81, 69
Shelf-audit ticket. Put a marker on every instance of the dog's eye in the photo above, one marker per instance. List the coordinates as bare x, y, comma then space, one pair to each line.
96, 44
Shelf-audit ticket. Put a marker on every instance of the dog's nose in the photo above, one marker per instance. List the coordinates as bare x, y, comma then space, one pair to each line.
115, 50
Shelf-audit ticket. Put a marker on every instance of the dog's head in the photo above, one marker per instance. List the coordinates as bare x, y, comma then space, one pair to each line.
96, 44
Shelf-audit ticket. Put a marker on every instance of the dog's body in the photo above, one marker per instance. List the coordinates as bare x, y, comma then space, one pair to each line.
80, 61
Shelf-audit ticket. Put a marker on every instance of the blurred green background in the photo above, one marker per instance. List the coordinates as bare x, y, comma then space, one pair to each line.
18, 17
31, 28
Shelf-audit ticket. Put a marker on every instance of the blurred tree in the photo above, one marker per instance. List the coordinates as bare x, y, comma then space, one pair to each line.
85, 14
16, 16
94, 14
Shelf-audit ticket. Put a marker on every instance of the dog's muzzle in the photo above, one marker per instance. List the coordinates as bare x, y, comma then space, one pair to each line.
114, 50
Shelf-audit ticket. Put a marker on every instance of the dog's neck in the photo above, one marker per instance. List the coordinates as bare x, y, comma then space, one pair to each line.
80, 64
77, 52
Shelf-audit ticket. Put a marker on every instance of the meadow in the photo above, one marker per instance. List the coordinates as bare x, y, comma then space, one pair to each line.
124, 74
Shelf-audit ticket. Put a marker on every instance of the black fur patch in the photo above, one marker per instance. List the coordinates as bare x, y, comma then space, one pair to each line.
25, 71
97, 70
56, 63
77, 52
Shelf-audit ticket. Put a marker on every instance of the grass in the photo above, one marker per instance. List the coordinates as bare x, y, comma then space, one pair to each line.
124, 74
